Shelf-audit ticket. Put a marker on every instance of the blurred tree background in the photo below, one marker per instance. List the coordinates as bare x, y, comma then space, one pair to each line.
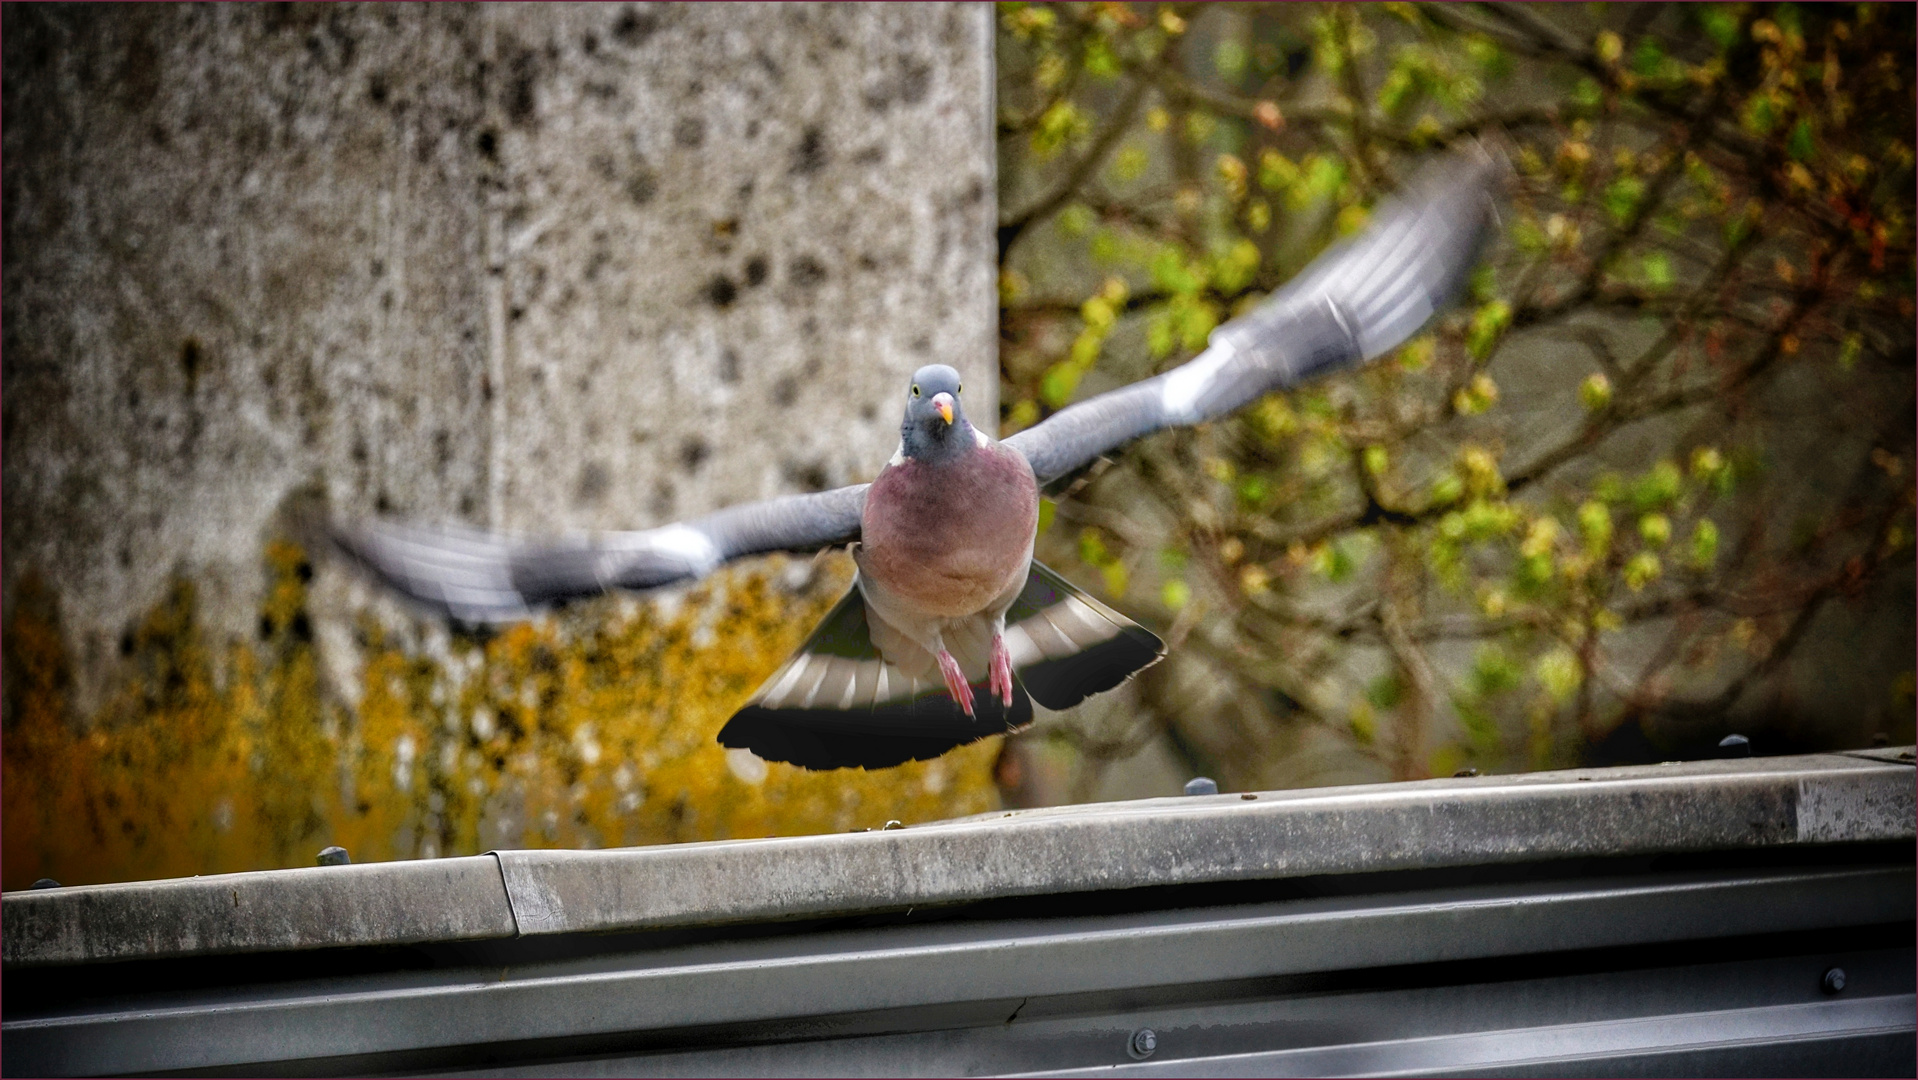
1649, 485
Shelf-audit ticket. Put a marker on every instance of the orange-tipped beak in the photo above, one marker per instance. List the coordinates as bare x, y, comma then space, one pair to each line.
943, 402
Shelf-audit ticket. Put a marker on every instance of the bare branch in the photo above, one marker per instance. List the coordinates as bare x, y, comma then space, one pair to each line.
1108, 136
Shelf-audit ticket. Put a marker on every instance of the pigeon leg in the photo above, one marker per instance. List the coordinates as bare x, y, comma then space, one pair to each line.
1001, 670
955, 681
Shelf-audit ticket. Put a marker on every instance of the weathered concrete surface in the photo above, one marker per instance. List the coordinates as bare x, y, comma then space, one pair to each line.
311, 907
1586, 813
539, 267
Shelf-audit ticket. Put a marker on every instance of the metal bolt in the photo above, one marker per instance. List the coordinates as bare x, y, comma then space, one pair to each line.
895, 825
1834, 980
1467, 771
1734, 746
1144, 1041
45, 883
1201, 785
334, 856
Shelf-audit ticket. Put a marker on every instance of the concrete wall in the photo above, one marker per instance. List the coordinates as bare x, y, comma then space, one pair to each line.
536, 267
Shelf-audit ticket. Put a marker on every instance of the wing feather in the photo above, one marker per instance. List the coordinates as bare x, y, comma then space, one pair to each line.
1355, 302
481, 577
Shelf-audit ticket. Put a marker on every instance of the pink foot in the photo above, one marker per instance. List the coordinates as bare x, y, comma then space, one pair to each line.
1001, 671
955, 681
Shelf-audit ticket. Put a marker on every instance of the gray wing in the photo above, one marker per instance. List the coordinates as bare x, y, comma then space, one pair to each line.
1359, 299
481, 577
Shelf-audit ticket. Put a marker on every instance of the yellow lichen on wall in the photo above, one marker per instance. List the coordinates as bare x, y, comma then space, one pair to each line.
593, 728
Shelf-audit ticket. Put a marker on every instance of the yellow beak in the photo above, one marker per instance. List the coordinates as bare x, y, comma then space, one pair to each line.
944, 407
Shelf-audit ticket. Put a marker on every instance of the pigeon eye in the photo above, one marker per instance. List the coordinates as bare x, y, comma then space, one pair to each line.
915, 389
960, 389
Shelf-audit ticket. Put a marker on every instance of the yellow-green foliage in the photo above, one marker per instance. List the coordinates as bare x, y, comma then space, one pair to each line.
591, 729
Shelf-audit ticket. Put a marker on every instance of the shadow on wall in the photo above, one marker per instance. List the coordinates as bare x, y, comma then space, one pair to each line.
591, 728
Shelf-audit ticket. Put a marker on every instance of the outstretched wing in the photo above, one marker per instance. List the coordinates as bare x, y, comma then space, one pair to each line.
1360, 299
481, 577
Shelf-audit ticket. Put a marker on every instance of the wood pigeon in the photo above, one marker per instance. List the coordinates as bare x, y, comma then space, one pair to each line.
951, 629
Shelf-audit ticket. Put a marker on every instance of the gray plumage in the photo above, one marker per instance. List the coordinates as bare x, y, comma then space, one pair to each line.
1358, 300
863, 690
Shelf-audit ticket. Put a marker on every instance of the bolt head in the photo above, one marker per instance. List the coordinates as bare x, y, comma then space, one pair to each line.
1734, 746
1202, 785
1834, 980
334, 856
1144, 1042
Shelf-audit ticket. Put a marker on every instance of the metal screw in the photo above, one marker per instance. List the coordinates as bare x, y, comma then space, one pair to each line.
45, 883
895, 825
1734, 746
1467, 771
1834, 980
1202, 785
334, 856
1144, 1041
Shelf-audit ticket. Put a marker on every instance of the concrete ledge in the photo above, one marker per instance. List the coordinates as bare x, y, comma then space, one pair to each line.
1641, 810
311, 907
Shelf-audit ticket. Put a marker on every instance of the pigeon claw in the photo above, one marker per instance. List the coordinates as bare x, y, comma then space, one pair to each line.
955, 681
1001, 671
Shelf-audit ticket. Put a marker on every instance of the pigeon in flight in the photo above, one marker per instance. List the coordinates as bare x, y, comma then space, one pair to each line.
951, 629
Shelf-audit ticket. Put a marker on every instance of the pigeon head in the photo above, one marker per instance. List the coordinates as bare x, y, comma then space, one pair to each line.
935, 427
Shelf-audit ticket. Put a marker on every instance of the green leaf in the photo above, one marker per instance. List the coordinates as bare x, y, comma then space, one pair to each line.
1175, 594
1799, 143
1488, 322
1704, 544
1595, 392
1648, 59
1385, 692
1658, 487
1849, 352
1622, 197
1559, 673
1130, 163
1229, 59
1642, 570
1100, 62
1277, 173
1720, 23
1376, 460
1655, 529
1058, 383
1657, 268
1493, 672
1595, 525
1158, 334
1253, 491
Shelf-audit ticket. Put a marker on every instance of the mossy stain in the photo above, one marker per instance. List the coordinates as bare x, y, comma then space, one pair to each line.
590, 728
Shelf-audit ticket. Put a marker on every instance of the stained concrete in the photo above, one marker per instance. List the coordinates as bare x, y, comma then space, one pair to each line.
537, 267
